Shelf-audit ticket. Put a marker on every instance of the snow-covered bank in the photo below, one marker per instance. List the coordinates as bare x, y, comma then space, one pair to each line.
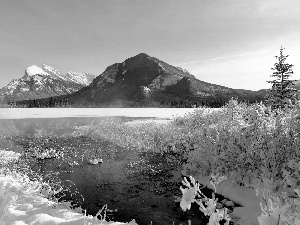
22, 204
242, 195
8, 156
147, 121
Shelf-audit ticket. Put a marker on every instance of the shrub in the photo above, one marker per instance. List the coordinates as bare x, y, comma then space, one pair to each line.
252, 145
192, 193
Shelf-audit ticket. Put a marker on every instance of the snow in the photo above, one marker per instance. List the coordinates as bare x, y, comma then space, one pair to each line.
161, 67
166, 113
50, 70
33, 70
20, 83
22, 204
8, 156
53, 72
147, 121
248, 213
24, 89
250, 210
146, 91
78, 78
44, 75
39, 83
9, 89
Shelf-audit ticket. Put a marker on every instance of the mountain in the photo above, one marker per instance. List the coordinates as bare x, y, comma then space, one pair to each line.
44, 82
143, 79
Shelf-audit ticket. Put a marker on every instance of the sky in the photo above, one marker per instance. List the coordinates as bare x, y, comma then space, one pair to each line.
226, 42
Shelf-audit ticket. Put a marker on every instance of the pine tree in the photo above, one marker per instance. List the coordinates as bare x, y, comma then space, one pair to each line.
282, 93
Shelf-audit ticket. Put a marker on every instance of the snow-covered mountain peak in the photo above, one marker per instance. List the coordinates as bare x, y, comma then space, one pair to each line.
33, 70
82, 78
50, 70
73, 73
43, 82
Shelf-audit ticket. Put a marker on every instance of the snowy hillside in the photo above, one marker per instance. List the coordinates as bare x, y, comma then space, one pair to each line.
80, 78
44, 82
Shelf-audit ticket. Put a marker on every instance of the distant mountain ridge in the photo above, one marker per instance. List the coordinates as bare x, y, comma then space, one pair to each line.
143, 78
44, 82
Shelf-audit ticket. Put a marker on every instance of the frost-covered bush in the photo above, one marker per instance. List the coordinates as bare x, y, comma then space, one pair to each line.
192, 193
144, 137
250, 144
279, 209
45, 153
50, 189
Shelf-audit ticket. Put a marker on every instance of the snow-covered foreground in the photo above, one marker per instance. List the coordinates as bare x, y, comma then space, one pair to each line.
166, 113
22, 204
244, 196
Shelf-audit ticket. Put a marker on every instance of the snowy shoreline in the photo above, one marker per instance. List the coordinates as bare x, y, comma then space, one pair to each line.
22, 204
244, 196
20, 113
250, 210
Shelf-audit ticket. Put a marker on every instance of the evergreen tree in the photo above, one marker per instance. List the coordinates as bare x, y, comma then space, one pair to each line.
282, 93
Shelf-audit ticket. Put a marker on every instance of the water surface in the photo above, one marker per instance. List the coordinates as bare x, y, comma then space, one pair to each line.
136, 185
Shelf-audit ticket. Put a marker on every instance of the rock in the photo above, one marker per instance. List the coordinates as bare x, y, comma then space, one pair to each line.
154, 206
229, 211
220, 205
114, 200
229, 203
246, 215
133, 200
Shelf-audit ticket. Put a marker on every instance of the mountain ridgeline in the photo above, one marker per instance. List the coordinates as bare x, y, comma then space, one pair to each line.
38, 83
143, 80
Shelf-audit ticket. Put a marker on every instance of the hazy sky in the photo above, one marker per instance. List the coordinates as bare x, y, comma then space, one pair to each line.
226, 42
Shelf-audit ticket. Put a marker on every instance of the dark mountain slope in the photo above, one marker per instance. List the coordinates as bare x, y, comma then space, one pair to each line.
143, 79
